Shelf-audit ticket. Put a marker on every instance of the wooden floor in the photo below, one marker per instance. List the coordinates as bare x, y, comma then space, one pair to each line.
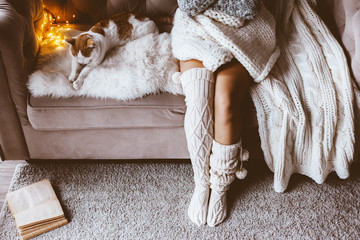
7, 169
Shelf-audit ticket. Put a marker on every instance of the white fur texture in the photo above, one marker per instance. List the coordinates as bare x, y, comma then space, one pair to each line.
141, 67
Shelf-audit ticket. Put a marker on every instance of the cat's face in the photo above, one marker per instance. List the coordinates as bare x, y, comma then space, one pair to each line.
83, 48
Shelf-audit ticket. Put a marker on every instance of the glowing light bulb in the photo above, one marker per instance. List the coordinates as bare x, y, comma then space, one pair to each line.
52, 34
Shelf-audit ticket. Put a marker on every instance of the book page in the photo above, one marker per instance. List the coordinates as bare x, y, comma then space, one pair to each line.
30, 196
46, 211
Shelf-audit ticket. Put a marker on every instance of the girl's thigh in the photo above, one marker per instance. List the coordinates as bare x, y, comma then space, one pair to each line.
186, 65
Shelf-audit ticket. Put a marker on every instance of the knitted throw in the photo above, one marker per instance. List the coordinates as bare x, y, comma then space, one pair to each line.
307, 106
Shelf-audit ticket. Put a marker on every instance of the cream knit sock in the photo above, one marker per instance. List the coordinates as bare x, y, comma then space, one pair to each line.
224, 167
198, 86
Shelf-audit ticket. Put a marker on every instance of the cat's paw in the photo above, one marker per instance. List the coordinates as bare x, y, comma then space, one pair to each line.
77, 85
72, 78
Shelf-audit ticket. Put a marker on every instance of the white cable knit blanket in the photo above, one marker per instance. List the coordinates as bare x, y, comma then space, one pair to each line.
307, 107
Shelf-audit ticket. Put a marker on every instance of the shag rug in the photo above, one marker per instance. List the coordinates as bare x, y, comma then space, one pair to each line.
149, 201
141, 67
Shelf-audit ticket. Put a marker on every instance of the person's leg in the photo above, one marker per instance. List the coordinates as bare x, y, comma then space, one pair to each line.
199, 85
232, 83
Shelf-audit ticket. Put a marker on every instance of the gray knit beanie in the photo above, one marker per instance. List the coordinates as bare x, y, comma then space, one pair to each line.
245, 9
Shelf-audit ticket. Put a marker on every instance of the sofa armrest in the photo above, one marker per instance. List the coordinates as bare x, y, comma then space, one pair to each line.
18, 49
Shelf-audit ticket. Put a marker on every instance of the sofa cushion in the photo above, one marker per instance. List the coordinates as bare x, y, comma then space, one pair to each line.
160, 111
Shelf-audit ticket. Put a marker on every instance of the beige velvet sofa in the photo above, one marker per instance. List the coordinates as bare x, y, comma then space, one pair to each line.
88, 128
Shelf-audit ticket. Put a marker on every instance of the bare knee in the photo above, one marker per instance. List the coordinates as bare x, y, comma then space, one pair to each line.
232, 83
227, 109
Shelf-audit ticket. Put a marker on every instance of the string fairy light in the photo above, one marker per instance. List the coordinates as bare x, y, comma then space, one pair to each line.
52, 32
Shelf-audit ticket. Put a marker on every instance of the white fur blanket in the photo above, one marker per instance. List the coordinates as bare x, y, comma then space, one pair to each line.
141, 67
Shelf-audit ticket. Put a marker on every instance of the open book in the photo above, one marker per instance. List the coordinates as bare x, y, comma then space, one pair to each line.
36, 209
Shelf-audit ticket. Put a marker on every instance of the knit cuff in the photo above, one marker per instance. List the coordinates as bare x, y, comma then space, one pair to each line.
223, 165
198, 82
213, 60
225, 157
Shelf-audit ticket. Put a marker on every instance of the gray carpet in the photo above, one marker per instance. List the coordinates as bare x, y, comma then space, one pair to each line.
149, 201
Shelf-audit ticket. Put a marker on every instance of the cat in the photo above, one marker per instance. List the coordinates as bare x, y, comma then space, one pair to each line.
89, 48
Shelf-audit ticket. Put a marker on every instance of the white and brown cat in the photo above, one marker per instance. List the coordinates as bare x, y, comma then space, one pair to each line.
89, 48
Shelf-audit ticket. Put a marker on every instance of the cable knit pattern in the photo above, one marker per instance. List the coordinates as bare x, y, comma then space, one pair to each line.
305, 106
224, 163
215, 42
198, 85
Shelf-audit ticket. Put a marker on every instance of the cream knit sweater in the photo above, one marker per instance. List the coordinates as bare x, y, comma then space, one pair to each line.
307, 106
215, 38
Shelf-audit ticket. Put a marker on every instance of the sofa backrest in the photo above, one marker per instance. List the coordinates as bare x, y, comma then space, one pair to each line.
91, 11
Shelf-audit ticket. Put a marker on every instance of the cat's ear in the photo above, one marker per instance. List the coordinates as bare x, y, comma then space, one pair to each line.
90, 43
71, 41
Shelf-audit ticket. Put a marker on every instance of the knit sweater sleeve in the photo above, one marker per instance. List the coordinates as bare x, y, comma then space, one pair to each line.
193, 7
